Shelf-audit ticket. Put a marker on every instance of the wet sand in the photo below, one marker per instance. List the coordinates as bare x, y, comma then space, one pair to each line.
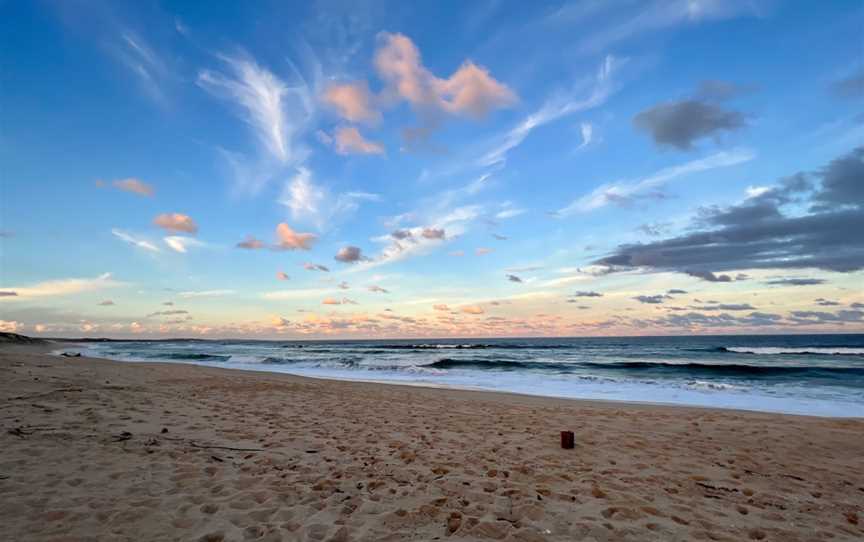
103, 450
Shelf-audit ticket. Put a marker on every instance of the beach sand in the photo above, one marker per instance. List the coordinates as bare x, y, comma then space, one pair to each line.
103, 450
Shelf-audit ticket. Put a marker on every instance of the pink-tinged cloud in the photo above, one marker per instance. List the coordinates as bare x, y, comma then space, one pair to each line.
176, 222
331, 301
433, 233
136, 186
472, 309
349, 140
106, 303
282, 275
353, 102
288, 239
250, 243
441, 307
482, 250
469, 91
457, 253
376, 288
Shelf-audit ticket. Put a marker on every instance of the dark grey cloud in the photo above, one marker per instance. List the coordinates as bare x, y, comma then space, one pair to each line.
349, 254
168, 303
850, 87
698, 319
378, 289
726, 307
826, 302
587, 294
821, 317
682, 123
759, 234
513, 278
652, 299
8, 293
857, 305
674, 291
401, 234
795, 282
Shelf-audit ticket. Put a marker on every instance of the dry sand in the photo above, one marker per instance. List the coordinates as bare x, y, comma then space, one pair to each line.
102, 450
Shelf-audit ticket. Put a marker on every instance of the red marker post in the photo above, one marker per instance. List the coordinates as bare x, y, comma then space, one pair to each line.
568, 440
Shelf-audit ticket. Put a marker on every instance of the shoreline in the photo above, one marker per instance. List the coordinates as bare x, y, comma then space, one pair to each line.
420, 384
111, 450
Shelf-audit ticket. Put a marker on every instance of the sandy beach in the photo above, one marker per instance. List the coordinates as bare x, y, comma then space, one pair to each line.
103, 450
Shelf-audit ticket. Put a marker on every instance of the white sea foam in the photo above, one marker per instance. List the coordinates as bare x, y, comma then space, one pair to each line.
774, 350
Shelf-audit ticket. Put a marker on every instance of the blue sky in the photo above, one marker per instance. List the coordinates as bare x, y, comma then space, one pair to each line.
483, 168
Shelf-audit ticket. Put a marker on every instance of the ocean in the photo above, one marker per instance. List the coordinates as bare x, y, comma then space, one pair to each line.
820, 375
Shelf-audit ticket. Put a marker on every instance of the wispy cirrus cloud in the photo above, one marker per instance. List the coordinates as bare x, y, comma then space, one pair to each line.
554, 109
625, 192
277, 113
62, 287
311, 203
135, 240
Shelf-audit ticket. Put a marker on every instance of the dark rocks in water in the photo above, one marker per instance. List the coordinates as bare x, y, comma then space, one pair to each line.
14, 338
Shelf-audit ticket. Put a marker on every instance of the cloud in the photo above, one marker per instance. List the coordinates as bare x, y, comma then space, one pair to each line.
311, 203
401, 235
716, 90
457, 253
343, 285
795, 282
106, 303
482, 251
353, 102
167, 313
10, 326
587, 294
433, 233
135, 186
820, 317
349, 140
499, 237
850, 87
315, 267
676, 291
263, 103
470, 91
727, 307
378, 289
8, 293
282, 275
762, 233
132, 240
334, 301
205, 293
626, 192
441, 307
62, 287
472, 309
652, 299
250, 243
682, 123
181, 243
826, 302
708, 276
349, 254
587, 132
552, 110
176, 222
655, 229
288, 239
513, 278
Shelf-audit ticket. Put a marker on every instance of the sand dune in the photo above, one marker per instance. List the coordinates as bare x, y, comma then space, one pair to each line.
100, 450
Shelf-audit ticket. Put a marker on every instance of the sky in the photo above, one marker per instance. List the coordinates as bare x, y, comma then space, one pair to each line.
431, 169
